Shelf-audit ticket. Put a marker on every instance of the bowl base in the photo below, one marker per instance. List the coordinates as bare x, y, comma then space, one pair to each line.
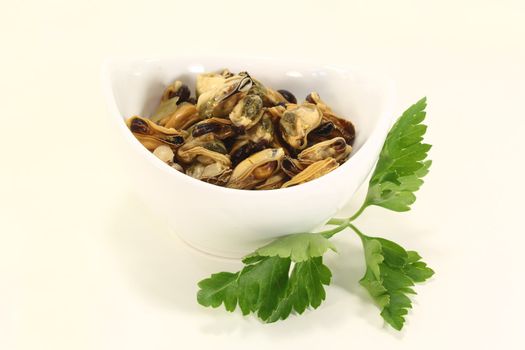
209, 253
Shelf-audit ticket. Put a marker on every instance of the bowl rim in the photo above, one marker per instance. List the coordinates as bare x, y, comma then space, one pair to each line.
385, 119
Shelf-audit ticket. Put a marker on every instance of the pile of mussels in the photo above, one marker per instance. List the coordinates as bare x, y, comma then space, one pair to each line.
241, 134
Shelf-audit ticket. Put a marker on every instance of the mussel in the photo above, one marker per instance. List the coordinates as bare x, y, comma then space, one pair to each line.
206, 149
208, 82
221, 100
247, 112
331, 124
335, 148
166, 154
216, 173
269, 96
273, 182
177, 89
152, 135
241, 134
245, 148
256, 169
221, 128
254, 140
288, 96
291, 166
313, 171
165, 110
297, 122
182, 118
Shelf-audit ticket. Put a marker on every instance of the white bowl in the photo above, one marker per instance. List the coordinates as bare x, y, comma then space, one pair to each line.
230, 222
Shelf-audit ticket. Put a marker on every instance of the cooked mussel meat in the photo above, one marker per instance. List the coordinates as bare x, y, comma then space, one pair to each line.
152, 135
291, 166
216, 173
239, 133
206, 149
254, 140
273, 182
221, 128
182, 118
269, 96
288, 96
177, 89
208, 82
165, 110
256, 169
166, 154
220, 101
331, 125
242, 150
297, 122
335, 148
313, 171
247, 112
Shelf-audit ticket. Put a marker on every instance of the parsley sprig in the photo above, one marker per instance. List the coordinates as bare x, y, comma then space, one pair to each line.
288, 275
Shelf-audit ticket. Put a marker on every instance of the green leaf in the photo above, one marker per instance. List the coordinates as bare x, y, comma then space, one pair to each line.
256, 288
299, 247
218, 289
305, 288
402, 162
265, 288
390, 274
262, 285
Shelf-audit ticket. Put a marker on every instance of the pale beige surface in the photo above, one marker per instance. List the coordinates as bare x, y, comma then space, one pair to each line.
83, 265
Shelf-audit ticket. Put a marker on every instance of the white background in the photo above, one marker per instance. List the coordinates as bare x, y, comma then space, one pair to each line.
84, 265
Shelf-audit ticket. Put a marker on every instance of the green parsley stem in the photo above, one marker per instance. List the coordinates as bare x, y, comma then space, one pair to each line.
359, 212
330, 233
337, 222
356, 230
345, 221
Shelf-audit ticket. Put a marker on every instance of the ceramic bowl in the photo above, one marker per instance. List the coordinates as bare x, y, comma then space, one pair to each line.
230, 222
